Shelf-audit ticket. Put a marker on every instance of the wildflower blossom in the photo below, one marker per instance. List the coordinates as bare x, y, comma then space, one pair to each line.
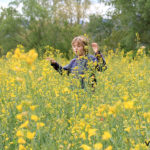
34, 117
128, 104
25, 124
19, 107
106, 135
91, 132
21, 141
21, 147
108, 148
30, 135
40, 124
19, 133
85, 147
98, 146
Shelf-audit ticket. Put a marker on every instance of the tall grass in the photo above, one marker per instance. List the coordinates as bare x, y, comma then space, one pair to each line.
40, 109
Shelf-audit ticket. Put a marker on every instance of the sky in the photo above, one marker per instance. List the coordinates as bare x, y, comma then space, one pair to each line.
96, 8
4, 3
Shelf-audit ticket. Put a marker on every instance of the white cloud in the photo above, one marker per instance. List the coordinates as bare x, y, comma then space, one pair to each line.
99, 8
4, 3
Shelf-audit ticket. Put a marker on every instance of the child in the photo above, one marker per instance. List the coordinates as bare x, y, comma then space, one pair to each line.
79, 65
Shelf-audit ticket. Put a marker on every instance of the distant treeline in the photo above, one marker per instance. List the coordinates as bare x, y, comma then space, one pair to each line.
56, 22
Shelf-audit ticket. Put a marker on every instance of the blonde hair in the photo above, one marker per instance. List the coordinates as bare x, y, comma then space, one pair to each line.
81, 40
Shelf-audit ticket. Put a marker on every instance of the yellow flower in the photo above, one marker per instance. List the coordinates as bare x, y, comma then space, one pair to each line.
98, 146
33, 107
23, 56
84, 107
25, 124
30, 135
125, 97
9, 55
128, 104
21, 141
7, 139
140, 146
40, 124
19, 133
108, 148
19, 107
127, 129
66, 90
146, 115
3, 110
83, 136
29, 61
85, 147
91, 132
19, 116
32, 53
21, 147
17, 53
34, 117
106, 136
31, 57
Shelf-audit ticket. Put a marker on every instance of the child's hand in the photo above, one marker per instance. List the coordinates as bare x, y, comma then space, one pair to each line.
52, 61
95, 47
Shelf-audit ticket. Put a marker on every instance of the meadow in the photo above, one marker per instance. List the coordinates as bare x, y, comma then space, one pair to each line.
40, 109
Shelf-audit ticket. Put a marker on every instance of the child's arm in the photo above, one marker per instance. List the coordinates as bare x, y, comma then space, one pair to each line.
57, 67
101, 66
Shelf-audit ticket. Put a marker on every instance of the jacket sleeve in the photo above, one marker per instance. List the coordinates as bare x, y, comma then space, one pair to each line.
60, 69
101, 63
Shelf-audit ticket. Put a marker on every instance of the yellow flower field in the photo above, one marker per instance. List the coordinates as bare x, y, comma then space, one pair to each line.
40, 109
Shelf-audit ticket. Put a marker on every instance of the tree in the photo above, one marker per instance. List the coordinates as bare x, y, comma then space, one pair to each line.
99, 28
41, 23
10, 27
132, 17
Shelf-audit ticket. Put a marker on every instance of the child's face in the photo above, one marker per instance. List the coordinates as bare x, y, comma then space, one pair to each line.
78, 49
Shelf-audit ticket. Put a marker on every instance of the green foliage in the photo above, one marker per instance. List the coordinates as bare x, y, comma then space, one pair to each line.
41, 23
99, 29
132, 17
56, 23
10, 27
